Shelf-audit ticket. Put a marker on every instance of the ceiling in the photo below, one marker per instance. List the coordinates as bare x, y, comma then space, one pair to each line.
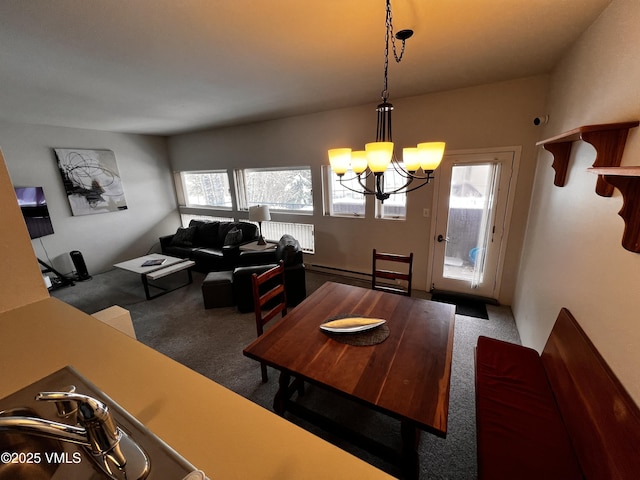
170, 66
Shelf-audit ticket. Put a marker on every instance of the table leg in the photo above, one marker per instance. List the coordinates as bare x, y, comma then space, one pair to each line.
145, 284
410, 460
282, 397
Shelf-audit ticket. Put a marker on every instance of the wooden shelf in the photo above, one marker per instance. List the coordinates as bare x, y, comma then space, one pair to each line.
633, 171
608, 139
627, 180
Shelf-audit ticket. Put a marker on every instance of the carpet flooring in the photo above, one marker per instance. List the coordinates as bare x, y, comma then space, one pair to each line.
211, 342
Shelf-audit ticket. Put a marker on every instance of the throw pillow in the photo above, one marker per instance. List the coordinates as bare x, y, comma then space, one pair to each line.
233, 237
184, 237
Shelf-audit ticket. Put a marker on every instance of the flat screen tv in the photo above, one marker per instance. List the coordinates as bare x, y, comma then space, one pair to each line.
35, 211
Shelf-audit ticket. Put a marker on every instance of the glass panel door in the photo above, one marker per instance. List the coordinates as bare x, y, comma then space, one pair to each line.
470, 210
469, 219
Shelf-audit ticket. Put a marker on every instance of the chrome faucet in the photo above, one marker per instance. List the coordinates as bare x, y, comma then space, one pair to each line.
101, 433
112, 449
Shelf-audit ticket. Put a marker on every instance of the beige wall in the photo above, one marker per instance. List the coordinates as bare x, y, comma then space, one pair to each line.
20, 279
572, 255
493, 115
105, 238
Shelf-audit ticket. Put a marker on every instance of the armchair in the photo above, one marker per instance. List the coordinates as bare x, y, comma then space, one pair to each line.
288, 251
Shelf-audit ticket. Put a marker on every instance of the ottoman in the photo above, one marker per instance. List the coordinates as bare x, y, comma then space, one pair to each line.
217, 289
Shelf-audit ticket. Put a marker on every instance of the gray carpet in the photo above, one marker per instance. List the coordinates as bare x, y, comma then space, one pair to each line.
211, 342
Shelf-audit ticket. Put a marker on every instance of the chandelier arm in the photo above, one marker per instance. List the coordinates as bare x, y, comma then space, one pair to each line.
403, 188
397, 166
428, 176
415, 176
355, 176
403, 172
400, 170
424, 181
366, 191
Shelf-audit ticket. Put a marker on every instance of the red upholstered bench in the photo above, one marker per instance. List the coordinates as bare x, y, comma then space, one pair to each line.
561, 415
518, 421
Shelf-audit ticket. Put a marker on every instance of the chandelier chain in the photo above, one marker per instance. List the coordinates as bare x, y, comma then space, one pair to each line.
398, 58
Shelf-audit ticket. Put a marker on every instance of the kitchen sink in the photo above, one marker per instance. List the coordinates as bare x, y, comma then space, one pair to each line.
20, 442
25, 456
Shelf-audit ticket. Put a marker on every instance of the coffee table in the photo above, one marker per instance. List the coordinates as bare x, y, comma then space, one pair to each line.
407, 376
170, 266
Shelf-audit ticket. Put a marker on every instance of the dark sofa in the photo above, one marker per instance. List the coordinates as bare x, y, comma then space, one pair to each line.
249, 262
214, 246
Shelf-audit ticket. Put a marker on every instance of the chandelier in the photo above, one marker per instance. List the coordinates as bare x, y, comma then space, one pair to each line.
418, 163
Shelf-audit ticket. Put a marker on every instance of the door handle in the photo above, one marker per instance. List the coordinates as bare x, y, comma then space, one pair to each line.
442, 239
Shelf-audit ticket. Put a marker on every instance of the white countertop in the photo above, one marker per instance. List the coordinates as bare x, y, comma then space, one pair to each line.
220, 432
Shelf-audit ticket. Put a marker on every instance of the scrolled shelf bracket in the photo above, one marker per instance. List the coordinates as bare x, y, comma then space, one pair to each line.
627, 180
608, 140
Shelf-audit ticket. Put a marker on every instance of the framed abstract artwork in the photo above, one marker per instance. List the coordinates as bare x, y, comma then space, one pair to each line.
91, 180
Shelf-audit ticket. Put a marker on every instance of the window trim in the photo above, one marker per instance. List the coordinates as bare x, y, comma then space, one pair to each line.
179, 181
379, 207
328, 181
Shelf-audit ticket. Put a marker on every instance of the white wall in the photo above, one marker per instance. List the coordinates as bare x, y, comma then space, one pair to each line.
572, 256
103, 238
485, 116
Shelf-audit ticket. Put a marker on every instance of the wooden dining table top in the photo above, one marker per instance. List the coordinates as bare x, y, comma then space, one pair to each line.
407, 376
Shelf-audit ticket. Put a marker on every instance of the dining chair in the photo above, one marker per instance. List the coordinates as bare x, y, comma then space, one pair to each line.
269, 300
387, 280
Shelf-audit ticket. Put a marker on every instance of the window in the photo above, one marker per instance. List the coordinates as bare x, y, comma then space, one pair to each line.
395, 207
206, 189
281, 189
341, 200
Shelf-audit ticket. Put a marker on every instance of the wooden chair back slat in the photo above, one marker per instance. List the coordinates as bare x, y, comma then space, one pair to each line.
260, 300
379, 273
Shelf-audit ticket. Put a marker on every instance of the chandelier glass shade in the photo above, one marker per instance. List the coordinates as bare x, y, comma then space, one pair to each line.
418, 163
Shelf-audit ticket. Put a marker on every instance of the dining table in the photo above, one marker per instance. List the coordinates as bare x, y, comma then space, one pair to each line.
401, 368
